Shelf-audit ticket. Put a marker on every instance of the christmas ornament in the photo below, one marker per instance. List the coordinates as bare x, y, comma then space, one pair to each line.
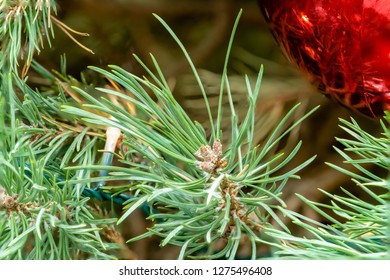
344, 46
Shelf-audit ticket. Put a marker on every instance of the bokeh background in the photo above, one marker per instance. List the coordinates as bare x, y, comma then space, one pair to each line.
119, 28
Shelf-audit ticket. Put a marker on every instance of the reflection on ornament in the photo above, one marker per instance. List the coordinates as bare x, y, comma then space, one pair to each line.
344, 46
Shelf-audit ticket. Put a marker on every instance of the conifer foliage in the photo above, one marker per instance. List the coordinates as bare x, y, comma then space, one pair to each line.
71, 150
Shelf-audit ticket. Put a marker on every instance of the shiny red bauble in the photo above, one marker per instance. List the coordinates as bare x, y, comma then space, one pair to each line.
344, 46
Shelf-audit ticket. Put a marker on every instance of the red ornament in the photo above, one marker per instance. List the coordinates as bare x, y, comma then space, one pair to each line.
344, 46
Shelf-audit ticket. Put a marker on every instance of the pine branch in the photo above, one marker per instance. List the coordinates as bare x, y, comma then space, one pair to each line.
43, 216
205, 193
24, 24
365, 233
